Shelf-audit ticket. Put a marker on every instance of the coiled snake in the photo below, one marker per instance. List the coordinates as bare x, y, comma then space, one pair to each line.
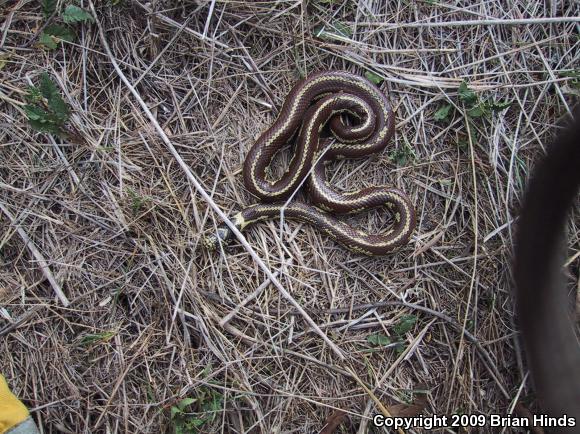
311, 105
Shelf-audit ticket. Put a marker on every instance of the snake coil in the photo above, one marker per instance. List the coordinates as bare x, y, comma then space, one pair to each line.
312, 104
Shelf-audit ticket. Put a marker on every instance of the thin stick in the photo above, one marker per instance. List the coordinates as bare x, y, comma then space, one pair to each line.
509, 22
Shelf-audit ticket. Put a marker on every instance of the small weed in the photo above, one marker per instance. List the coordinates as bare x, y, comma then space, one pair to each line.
470, 325
48, 7
63, 29
46, 110
405, 324
334, 30
443, 113
466, 95
475, 107
73, 14
405, 395
137, 201
373, 78
190, 414
378, 340
97, 338
55, 34
402, 155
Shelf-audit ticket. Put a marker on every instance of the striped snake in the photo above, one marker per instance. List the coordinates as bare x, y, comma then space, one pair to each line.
313, 106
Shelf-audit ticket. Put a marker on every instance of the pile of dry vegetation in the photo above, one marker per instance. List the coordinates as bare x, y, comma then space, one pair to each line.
105, 212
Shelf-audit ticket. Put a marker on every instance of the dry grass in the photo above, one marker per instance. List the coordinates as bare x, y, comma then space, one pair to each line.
153, 319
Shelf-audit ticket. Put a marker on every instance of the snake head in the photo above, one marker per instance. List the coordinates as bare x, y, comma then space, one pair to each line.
224, 236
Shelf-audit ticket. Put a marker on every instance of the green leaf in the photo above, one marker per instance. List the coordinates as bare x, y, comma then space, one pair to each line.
405, 324
74, 14
137, 201
373, 78
54, 34
48, 7
206, 371
334, 30
341, 29
195, 423
402, 155
33, 95
47, 87
443, 112
49, 90
216, 403
466, 95
379, 340
35, 113
59, 108
399, 348
48, 121
60, 33
175, 411
48, 41
96, 338
46, 127
185, 402
477, 111
500, 105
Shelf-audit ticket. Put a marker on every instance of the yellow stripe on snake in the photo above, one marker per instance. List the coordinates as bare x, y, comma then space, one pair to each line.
313, 105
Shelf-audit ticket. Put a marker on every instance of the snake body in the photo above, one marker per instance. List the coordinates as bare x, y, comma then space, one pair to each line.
312, 105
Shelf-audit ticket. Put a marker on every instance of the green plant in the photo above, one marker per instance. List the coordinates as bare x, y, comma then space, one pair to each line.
373, 78
404, 325
137, 201
334, 30
190, 414
96, 338
474, 106
48, 7
379, 340
73, 14
402, 155
63, 29
46, 110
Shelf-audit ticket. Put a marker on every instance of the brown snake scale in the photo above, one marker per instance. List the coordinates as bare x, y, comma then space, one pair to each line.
313, 105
